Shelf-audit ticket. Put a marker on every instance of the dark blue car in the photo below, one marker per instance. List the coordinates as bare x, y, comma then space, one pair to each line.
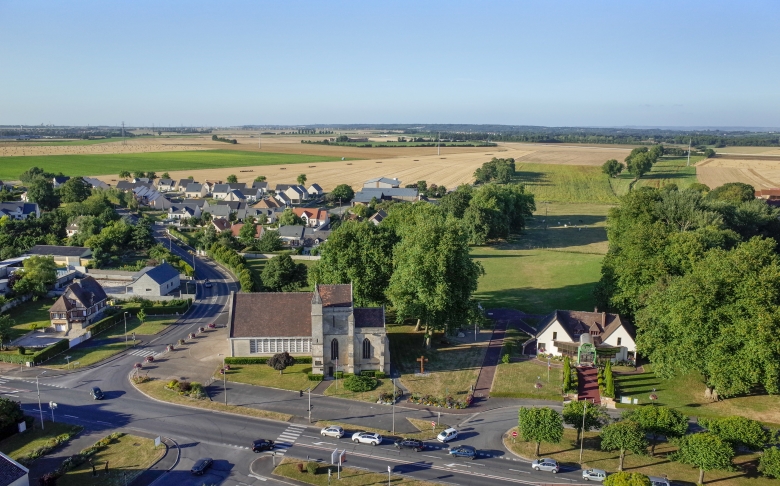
464, 451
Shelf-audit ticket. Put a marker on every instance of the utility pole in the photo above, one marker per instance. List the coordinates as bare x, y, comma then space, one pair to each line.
689, 152
38, 389
309, 404
392, 380
438, 144
582, 431
125, 330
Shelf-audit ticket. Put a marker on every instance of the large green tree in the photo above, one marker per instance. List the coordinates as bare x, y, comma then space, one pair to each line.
640, 161
706, 451
733, 192
6, 323
573, 412
342, 192
75, 189
457, 201
39, 272
623, 436
657, 422
721, 320
495, 211
434, 276
289, 218
269, 241
360, 254
247, 233
540, 425
612, 168
42, 192
627, 479
282, 274
738, 431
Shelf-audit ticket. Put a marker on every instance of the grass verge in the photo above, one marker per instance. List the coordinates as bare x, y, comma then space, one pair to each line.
349, 476
29, 313
517, 380
20, 445
568, 453
293, 378
336, 389
127, 457
156, 389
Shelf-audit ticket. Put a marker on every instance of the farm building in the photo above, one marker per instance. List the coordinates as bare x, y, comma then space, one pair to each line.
63, 255
382, 183
156, 281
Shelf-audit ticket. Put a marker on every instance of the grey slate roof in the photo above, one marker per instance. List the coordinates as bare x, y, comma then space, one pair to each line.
291, 231
27, 207
54, 250
237, 185
369, 317
10, 470
220, 189
162, 273
193, 187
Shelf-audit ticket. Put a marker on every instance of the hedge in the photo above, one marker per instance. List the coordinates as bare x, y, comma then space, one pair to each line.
97, 327
313, 377
373, 373
248, 360
39, 357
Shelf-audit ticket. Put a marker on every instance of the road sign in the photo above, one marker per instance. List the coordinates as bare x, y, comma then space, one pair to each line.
334, 456
343, 457
514, 433
433, 424
157, 441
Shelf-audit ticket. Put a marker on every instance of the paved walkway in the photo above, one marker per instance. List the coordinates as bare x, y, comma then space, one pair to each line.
489, 364
588, 384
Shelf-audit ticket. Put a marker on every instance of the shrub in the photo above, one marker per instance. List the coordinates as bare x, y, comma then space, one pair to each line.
300, 467
505, 359
185, 386
357, 383
196, 391
21, 350
339, 375
315, 377
173, 385
769, 463
311, 467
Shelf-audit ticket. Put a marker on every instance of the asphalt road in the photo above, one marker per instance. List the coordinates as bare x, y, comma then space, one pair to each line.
226, 438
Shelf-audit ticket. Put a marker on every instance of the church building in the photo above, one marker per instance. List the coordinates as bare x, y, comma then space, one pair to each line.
323, 324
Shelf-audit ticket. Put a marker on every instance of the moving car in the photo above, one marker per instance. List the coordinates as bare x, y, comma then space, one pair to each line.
658, 481
367, 438
96, 393
464, 451
261, 445
594, 475
447, 435
414, 444
207, 283
545, 464
332, 431
201, 465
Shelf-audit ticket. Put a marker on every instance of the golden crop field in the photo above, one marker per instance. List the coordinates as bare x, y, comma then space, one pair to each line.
759, 173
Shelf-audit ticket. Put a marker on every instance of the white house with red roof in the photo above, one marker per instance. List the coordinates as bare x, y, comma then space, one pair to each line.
313, 217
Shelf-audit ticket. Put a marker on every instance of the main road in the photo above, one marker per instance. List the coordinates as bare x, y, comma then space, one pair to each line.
227, 437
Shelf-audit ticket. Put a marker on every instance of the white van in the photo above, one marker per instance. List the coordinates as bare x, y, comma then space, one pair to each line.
447, 435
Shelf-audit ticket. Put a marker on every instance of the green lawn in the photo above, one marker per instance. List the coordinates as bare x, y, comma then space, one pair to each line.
568, 453
127, 458
336, 389
111, 164
19, 445
537, 281
566, 183
686, 393
293, 378
667, 170
28, 313
453, 366
517, 380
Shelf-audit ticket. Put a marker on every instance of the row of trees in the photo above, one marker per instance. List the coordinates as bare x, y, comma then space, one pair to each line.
675, 256
710, 450
497, 170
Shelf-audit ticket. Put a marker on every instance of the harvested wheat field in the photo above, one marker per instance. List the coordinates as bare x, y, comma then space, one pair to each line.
447, 169
568, 154
759, 173
749, 150
130, 146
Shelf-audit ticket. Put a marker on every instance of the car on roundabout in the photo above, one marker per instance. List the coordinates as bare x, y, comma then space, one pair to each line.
414, 444
332, 431
594, 475
201, 465
545, 464
261, 445
367, 438
463, 451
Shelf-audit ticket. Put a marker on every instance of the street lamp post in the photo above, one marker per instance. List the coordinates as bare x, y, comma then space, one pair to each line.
52, 406
309, 404
38, 389
224, 377
125, 315
392, 380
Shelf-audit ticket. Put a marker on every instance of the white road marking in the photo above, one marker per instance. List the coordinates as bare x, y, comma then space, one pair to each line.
435, 457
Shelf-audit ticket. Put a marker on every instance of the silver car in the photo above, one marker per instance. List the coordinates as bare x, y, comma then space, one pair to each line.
332, 431
594, 475
550, 465
367, 438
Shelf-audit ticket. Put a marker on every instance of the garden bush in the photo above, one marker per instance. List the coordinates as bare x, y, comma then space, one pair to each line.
357, 383
314, 377
300, 467
173, 385
185, 386
311, 467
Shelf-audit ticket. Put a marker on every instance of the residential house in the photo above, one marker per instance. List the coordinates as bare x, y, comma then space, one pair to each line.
142, 180
181, 186
382, 182
313, 237
315, 190
365, 196
378, 217
81, 304
237, 185
291, 235
268, 203
323, 324
156, 281
71, 229
19, 210
195, 190
284, 199
63, 255
57, 181
221, 224
183, 211
220, 191
585, 336
236, 195
260, 186
297, 194
12, 473
237, 207
236, 229
159, 202
313, 217
96, 183
166, 185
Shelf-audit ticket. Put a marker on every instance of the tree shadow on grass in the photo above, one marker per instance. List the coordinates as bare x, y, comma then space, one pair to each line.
540, 301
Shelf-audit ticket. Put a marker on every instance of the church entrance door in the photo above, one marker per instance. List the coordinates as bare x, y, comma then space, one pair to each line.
330, 371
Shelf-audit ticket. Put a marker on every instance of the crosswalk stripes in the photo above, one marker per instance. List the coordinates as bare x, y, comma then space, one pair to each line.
287, 438
143, 352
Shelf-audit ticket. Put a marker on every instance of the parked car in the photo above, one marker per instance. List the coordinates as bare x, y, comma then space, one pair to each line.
447, 435
657, 481
464, 451
414, 444
332, 431
207, 283
594, 475
201, 465
550, 465
261, 445
367, 438
96, 393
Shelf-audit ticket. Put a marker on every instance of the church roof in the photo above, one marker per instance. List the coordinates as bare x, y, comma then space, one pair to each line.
338, 295
369, 317
271, 314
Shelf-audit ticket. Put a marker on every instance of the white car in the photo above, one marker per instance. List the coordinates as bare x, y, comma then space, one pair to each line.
447, 435
367, 438
594, 475
332, 431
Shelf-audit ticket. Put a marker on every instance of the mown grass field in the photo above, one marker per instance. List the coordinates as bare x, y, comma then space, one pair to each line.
293, 378
109, 164
517, 380
668, 170
566, 183
28, 313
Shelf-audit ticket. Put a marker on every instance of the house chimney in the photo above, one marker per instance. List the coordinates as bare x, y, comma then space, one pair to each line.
595, 309
603, 320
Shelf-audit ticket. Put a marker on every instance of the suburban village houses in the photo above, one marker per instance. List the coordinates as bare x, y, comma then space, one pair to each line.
323, 324
81, 304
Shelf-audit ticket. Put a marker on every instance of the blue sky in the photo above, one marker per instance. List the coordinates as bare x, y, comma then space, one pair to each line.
586, 63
